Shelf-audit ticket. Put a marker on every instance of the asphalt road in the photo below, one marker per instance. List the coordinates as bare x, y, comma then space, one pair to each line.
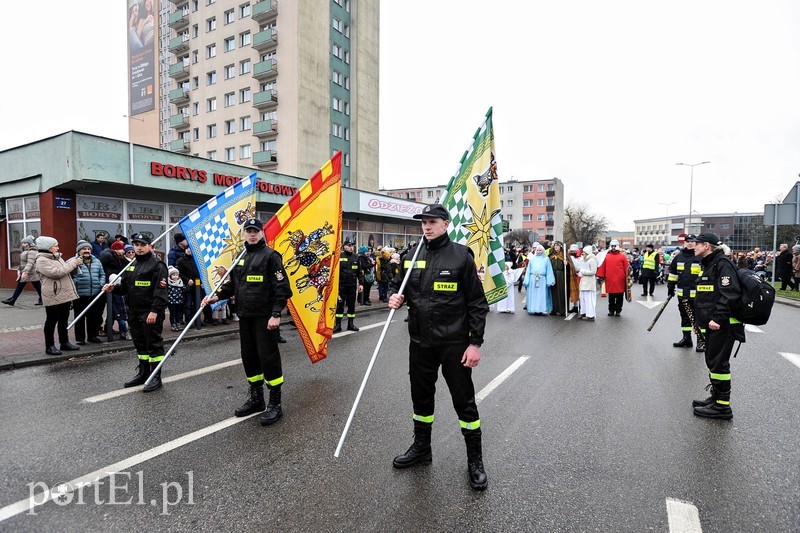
593, 431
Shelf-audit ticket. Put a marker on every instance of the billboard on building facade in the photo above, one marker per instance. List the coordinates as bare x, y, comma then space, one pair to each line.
142, 34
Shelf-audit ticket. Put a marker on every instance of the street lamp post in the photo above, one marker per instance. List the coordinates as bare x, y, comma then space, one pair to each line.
691, 188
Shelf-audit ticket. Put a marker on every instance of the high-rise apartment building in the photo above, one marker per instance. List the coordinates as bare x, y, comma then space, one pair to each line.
275, 86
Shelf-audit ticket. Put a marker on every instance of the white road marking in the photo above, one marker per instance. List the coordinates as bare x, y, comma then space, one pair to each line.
361, 328
683, 517
499, 379
571, 316
43, 497
753, 329
792, 358
168, 379
649, 303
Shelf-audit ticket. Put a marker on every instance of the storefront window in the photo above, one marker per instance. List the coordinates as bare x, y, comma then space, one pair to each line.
22, 219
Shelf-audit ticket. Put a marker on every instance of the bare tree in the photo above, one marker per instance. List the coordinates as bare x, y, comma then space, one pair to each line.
521, 237
581, 225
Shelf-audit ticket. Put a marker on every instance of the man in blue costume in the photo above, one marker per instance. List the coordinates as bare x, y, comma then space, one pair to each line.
539, 277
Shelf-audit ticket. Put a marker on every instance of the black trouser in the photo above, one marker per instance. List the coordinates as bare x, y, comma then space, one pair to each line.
719, 345
260, 355
424, 366
175, 313
686, 320
648, 281
21, 285
89, 324
615, 300
363, 296
787, 279
56, 315
347, 295
146, 337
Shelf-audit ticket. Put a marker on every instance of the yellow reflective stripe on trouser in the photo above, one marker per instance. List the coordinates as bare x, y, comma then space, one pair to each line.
421, 418
470, 425
719, 377
735, 321
275, 382
253, 379
723, 402
156, 359
686, 328
351, 315
144, 357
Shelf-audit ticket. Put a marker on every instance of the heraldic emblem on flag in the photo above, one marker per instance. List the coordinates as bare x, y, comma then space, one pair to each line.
306, 231
214, 230
473, 201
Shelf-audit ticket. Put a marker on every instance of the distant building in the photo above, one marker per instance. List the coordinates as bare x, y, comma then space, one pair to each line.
740, 231
533, 205
626, 238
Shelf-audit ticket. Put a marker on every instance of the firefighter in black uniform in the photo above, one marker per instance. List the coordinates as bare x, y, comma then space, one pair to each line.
718, 290
349, 286
145, 283
446, 318
261, 288
683, 272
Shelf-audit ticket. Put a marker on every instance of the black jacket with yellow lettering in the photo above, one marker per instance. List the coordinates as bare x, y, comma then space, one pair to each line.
259, 282
446, 303
145, 283
348, 269
683, 272
718, 290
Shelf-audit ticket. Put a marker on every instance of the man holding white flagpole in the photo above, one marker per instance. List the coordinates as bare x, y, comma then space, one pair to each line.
262, 288
446, 321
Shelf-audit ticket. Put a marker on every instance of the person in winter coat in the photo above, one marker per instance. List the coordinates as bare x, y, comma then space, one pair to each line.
796, 266
99, 244
113, 259
614, 271
89, 279
176, 252
366, 275
27, 271
651, 262
58, 292
175, 298
588, 284
783, 268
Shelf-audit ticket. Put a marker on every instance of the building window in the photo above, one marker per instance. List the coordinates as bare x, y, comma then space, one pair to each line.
211, 131
337, 24
195, 82
551, 187
347, 134
346, 31
211, 104
230, 126
724, 226
229, 72
230, 99
347, 159
211, 24
502, 189
230, 153
336, 130
245, 39
196, 134
195, 5
244, 67
245, 95
211, 154
229, 44
527, 203
244, 10
540, 202
336, 50
527, 188
195, 31
244, 151
209, 2
508, 216
336, 77
245, 124
347, 108
540, 217
195, 108
347, 57
211, 51
510, 203
229, 16
347, 82
527, 218
540, 187
336, 104
551, 202
510, 188
195, 57
211, 77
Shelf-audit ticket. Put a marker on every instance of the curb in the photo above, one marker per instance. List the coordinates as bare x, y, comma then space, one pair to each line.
787, 301
108, 348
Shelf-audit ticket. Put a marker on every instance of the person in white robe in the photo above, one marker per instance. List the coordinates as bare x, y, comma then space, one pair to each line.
511, 276
588, 284
539, 277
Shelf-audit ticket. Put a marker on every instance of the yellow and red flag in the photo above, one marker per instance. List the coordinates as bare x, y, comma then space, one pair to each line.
306, 231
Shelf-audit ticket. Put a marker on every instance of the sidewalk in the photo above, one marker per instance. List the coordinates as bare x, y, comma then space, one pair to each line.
22, 339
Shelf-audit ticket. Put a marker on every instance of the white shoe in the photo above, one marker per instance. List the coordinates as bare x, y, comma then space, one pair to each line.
235, 317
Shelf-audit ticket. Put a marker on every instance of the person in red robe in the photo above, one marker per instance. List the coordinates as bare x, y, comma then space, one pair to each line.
614, 270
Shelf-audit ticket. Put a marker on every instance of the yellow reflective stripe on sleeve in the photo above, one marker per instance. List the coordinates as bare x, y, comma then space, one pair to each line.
672, 277
445, 286
423, 418
735, 320
275, 382
354, 267
680, 266
470, 425
719, 377
705, 288
253, 379
696, 269
144, 357
344, 260
723, 402
142, 283
241, 262
692, 293
680, 292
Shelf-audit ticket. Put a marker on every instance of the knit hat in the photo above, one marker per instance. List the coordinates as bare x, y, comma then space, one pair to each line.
29, 240
363, 250
587, 249
179, 238
45, 243
117, 245
172, 270
128, 248
81, 245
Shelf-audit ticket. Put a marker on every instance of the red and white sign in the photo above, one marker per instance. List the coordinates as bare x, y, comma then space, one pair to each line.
386, 205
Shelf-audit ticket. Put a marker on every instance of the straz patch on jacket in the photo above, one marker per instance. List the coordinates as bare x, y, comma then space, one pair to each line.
705, 288
142, 283
445, 286
254, 278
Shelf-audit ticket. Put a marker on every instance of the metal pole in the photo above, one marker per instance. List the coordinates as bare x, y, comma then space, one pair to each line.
375, 353
197, 313
691, 189
774, 244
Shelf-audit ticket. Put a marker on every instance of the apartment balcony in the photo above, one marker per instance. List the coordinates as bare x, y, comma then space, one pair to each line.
179, 121
550, 194
179, 44
267, 158
550, 223
265, 99
265, 40
179, 145
265, 128
179, 71
177, 2
179, 96
265, 70
265, 10
178, 21
550, 208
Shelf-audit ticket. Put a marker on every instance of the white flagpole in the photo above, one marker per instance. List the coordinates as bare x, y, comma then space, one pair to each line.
375, 353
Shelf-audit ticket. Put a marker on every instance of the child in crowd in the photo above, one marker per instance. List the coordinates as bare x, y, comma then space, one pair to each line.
175, 298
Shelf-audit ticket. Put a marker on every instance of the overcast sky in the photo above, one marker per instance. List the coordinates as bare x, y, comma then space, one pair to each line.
605, 95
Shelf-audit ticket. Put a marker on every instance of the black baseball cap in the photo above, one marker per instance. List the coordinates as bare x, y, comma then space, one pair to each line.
253, 223
709, 237
433, 211
141, 237
348, 242
691, 238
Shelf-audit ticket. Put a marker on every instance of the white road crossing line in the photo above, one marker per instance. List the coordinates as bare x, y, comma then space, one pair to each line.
361, 328
792, 358
43, 497
649, 303
169, 379
571, 316
683, 517
20, 328
499, 379
753, 329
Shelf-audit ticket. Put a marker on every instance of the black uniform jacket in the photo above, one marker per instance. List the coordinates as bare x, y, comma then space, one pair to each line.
683, 272
348, 269
718, 290
258, 281
446, 303
145, 283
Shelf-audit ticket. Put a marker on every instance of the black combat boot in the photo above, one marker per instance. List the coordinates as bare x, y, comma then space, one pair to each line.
720, 408
52, 350
351, 324
685, 342
273, 412
142, 371
701, 346
337, 326
420, 450
711, 399
477, 475
254, 403
155, 383
8, 301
